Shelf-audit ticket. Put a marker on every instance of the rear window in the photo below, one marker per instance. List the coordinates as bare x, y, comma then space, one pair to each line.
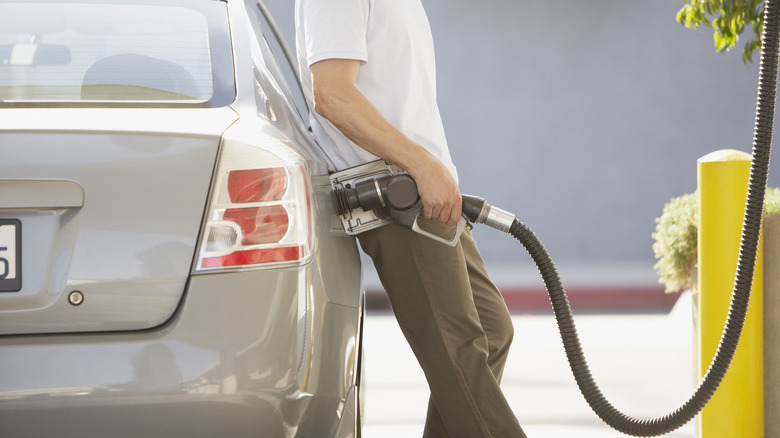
131, 53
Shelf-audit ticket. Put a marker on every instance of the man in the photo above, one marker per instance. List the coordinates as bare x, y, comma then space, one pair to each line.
367, 67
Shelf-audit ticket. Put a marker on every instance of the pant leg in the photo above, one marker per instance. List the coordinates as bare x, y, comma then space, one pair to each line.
491, 307
494, 318
429, 288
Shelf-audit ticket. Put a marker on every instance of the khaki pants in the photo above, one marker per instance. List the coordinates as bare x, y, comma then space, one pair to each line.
457, 325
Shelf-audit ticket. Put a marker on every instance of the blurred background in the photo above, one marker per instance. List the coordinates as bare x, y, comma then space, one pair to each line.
583, 118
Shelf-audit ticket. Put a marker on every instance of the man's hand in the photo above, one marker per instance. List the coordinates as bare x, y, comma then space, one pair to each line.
438, 191
337, 99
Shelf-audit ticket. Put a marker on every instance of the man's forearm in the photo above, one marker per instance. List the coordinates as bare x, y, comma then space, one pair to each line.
337, 99
349, 111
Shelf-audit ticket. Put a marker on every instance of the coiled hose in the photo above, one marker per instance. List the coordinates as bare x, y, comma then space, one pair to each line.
751, 227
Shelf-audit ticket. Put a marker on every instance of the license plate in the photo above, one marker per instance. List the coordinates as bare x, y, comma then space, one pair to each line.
10, 255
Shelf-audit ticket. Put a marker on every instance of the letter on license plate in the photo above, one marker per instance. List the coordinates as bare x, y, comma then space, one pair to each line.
10, 255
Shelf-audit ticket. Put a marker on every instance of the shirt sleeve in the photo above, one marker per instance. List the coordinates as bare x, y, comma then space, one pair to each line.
336, 29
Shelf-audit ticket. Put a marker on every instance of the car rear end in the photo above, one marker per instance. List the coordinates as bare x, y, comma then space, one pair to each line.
167, 265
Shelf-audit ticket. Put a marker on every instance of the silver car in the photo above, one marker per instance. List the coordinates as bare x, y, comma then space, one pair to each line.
169, 260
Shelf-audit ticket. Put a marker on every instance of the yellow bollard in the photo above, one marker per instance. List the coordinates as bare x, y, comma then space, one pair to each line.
737, 409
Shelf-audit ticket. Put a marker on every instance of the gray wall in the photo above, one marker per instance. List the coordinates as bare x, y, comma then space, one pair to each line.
583, 118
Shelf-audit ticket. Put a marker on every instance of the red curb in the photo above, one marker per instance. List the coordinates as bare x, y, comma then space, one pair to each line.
628, 299
585, 299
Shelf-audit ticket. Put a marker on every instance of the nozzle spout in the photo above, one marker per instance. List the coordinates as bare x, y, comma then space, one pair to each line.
477, 210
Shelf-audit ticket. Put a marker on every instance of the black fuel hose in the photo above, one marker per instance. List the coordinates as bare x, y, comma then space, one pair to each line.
480, 212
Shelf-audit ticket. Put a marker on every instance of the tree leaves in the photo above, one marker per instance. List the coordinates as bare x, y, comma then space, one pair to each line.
728, 19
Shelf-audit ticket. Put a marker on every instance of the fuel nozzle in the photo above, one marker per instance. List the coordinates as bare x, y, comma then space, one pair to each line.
395, 197
394, 192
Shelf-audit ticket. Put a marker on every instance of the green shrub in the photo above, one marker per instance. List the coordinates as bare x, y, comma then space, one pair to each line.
675, 245
676, 239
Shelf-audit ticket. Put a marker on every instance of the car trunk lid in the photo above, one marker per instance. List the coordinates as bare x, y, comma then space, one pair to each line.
101, 211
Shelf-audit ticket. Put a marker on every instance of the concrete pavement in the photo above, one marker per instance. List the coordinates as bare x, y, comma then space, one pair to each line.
644, 364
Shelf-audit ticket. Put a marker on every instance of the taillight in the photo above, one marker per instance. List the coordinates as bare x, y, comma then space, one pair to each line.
258, 216
256, 185
260, 224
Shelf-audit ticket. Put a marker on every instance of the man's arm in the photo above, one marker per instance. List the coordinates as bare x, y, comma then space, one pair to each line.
337, 99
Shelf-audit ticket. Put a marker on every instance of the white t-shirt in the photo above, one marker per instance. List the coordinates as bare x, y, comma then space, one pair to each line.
392, 39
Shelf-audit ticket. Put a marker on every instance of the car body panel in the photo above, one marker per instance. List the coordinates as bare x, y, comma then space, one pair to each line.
238, 356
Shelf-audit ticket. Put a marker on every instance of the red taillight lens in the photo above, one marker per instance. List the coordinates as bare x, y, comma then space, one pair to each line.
258, 217
260, 224
254, 257
257, 185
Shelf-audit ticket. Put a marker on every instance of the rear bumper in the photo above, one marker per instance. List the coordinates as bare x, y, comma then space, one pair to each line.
257, 353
